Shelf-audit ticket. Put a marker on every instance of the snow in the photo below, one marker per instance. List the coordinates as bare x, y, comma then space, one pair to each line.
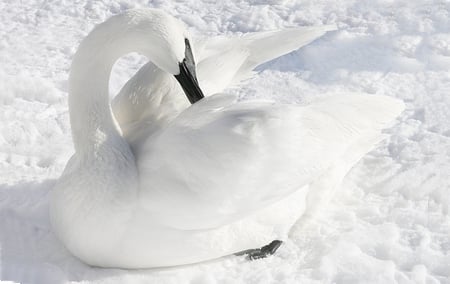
389, 222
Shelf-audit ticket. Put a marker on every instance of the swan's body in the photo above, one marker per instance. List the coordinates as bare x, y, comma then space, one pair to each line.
221, 177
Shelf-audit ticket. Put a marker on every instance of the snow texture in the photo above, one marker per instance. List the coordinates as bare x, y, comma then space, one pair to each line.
389, 222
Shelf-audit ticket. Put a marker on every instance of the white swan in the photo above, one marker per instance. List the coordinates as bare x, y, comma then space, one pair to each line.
152, 98
222, 177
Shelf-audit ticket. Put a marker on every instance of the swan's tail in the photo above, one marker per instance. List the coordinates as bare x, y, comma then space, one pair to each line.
372, 114
361, 111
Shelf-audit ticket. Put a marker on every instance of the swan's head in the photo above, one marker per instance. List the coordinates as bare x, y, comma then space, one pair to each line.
166, 42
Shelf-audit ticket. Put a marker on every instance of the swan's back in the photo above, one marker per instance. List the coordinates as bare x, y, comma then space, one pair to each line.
221, 159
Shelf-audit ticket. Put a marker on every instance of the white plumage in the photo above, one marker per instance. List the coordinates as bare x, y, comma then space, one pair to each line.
221, 177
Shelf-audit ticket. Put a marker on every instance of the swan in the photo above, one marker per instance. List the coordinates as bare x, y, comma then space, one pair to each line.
224, 176
152, 97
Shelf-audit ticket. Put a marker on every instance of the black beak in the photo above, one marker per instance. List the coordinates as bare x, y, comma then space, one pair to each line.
187, 77
189, 83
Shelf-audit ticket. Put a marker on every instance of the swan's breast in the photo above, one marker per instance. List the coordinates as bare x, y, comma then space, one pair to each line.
93, 201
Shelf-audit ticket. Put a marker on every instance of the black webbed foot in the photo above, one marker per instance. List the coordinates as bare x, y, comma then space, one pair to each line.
262, 252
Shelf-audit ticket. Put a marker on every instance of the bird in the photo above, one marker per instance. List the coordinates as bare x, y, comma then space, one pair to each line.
223, 177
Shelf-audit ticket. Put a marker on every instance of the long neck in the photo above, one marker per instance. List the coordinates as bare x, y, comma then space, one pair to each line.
91, 117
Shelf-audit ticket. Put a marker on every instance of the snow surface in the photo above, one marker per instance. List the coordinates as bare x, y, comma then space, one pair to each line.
388, 223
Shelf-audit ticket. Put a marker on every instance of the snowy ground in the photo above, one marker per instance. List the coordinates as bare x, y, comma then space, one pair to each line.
388, 223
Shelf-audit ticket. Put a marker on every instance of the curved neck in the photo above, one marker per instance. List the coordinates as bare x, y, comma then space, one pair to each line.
91, 118
149, 32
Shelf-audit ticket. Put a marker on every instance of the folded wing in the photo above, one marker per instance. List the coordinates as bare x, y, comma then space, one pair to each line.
221, 160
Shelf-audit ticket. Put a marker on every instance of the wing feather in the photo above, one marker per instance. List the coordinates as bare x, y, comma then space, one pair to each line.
221, 159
